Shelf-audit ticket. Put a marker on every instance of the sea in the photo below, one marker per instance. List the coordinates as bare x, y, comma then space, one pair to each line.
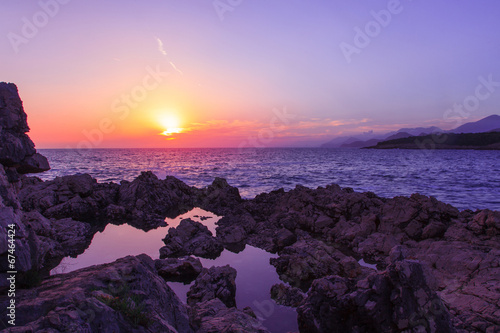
466, 179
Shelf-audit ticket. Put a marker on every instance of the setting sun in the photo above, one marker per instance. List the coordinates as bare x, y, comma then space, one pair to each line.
171, 124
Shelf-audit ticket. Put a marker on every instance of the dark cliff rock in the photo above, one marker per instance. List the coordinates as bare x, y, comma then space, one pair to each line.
17, 151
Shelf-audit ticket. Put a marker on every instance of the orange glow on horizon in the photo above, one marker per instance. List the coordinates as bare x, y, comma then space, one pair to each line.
169, 121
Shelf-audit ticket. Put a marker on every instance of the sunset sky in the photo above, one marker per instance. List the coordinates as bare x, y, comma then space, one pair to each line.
231, 73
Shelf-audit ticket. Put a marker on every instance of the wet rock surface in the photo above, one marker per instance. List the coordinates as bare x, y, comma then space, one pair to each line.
213, 304
214, 316
124, 296
215, 282
190, 238
286, 295
395, 300
179, 269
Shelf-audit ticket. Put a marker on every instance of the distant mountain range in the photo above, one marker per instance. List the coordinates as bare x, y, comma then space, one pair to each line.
479, 141
484, 125
368, 139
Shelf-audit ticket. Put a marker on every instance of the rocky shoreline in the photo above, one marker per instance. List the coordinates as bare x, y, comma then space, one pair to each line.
438, 268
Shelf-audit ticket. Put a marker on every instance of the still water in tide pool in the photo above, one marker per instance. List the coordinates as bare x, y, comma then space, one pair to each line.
255, 275
467, 179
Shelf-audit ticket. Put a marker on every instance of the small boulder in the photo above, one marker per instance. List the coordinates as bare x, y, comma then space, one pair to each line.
179, 269
284, 237
213, 316
287, 295
215, 282
190, 238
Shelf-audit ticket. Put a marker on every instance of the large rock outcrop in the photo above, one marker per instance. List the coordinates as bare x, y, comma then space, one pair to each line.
124, 296
458, 251
17, 156
17, 151
396, 300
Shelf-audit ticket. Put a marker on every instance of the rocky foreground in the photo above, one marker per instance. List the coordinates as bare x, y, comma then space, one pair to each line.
438, 268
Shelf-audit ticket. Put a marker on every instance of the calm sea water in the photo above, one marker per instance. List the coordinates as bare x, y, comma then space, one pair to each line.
466, 179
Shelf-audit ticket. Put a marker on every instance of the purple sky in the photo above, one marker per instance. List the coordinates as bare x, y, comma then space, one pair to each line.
230, 67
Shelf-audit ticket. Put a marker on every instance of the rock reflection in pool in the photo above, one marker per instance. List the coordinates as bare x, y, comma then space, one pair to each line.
118, 241
253, 281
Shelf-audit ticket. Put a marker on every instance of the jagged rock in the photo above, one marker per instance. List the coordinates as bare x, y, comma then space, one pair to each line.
231, 235
486, 222
215, 282
284, 237
16, 149
34, 164
350, 267
467, 279
190, 238
305, 261
286, 295
102, 299
179, 269
214, 316
23, 245
55, 239
378, 245
220, 197
148, 199
323, 222
413, 214
79, 197
396, 300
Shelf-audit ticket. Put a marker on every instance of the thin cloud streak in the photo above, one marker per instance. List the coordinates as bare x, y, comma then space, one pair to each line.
160, 46
161, 49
